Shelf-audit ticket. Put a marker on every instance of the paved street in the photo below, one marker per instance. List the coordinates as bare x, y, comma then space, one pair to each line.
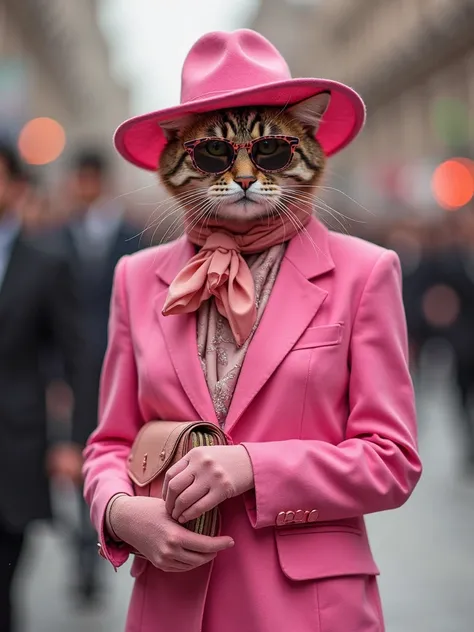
425, 550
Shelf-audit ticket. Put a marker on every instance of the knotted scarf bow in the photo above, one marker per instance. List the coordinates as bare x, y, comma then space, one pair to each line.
219, 269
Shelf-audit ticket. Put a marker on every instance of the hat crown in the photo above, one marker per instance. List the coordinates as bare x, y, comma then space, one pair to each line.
222, 62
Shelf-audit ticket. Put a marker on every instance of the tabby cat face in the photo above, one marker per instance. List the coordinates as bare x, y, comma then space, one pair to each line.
245, 191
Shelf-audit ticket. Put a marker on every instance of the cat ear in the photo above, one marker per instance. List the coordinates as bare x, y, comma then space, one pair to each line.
311, 111
172, 128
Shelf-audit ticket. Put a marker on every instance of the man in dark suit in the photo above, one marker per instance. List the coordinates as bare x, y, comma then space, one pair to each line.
38, 308
97, 236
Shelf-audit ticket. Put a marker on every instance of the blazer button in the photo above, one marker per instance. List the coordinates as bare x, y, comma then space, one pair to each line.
289, 517
313, 515
300, 516
280, 519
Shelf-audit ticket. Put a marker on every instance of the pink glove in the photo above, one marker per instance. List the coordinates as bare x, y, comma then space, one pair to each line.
204, 478
145, 525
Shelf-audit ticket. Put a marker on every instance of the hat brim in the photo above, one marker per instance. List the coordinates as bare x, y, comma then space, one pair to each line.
141, 140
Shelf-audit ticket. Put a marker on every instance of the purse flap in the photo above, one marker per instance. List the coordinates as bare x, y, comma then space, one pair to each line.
156, 444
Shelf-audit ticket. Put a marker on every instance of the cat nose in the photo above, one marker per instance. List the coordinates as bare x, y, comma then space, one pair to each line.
245, 181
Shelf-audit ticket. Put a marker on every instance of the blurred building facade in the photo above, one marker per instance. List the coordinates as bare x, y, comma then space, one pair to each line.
413, 63
54, 62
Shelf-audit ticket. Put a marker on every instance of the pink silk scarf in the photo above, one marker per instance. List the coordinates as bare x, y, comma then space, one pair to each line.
219, 269
221, 359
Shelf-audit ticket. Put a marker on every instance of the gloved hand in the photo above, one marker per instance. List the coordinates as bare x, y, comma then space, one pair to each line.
204, 478
145, 525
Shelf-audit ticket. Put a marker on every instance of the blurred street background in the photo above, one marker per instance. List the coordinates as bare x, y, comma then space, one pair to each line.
70, 72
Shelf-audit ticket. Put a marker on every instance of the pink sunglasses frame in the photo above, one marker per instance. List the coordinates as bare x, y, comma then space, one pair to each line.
190, 145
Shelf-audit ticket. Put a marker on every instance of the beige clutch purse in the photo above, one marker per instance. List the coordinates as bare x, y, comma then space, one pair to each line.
159, 445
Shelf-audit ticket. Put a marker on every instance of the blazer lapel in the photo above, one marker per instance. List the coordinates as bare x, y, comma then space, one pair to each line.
293, 303
180, 335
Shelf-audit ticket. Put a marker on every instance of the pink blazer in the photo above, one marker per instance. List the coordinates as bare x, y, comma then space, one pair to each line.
325, 407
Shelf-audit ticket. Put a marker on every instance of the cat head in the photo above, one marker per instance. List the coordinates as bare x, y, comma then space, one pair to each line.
245, 163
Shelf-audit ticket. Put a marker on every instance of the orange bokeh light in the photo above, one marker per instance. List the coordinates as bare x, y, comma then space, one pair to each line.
41, 141
453, 183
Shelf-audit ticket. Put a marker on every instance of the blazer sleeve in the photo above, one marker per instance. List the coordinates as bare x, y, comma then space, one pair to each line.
377, 466
106, 452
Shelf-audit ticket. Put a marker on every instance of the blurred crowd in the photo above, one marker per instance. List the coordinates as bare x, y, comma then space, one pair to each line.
56, 280
58, 252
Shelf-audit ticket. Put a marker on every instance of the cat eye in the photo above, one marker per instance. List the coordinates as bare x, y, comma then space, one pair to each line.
217, 148
267, 146
217, 155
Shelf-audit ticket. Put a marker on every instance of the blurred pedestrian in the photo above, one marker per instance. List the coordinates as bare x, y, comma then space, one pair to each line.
442, 308
38, 309
34, 207
449, 301
97, 236
404, 238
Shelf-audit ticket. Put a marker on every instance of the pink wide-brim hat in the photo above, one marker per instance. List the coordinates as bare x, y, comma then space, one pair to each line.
228, 70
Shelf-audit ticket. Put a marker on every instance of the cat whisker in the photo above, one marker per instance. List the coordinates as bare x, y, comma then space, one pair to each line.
192, 213
122, 195
174, 208
335, 190
323, 206
180, 196
279, 113
279, 212
291, 199
300, 227
292, 218
195, 213
202, 216
330, 209
177, 225
217, 208
317, 200
174, 200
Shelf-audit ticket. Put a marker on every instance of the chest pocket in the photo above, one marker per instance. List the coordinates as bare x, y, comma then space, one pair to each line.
322, 336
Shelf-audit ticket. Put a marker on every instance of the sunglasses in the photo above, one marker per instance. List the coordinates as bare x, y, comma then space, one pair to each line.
217, 155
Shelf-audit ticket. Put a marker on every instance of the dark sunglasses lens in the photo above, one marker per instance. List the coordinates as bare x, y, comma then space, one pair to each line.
213, 156
272, 154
